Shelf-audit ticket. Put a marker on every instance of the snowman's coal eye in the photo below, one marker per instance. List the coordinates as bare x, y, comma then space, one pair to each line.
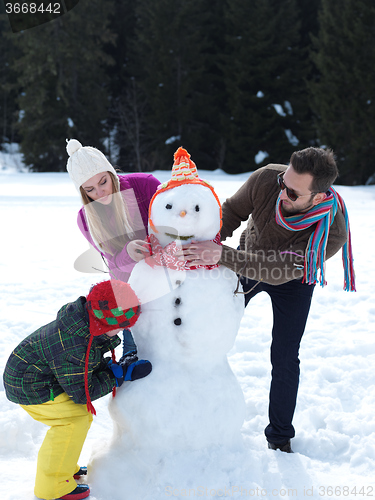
197, 208
168, 206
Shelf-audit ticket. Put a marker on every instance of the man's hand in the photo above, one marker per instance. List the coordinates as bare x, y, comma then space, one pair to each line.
204, 253
138, 250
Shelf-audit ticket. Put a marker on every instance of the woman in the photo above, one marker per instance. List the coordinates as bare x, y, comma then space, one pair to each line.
114, 216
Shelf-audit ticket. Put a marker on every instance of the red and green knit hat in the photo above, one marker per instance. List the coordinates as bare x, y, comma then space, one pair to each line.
184, 171
111, 305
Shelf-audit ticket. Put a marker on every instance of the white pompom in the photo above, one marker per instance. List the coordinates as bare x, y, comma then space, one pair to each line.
73, 146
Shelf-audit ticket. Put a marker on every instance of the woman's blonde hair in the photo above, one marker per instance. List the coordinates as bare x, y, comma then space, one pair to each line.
109, 240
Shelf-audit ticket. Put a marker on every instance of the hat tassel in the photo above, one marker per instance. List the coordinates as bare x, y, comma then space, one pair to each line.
113, 361
181, 152
90, 407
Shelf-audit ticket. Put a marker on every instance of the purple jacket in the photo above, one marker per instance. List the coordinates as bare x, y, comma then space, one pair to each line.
137, 191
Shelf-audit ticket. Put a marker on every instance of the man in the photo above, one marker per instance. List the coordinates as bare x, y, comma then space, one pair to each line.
296, 221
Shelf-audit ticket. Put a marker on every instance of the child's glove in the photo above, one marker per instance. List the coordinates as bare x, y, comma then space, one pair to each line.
117, 371
129, 369
134, 369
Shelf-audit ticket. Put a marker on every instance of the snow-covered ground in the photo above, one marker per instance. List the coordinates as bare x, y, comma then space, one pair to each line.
334, 420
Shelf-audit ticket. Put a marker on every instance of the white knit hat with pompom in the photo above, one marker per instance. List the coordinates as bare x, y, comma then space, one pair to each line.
84, 162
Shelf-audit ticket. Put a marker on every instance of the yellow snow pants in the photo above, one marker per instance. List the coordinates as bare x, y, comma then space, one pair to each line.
58, 456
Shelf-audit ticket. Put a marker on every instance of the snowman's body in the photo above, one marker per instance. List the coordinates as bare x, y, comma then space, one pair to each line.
189, 320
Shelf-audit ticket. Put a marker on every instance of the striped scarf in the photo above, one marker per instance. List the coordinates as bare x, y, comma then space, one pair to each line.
322, 215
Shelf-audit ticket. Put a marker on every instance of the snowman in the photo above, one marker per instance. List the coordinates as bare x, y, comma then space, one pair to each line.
191, 402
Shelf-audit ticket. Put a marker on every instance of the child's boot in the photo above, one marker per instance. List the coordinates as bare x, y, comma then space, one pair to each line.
82, 491
82, 472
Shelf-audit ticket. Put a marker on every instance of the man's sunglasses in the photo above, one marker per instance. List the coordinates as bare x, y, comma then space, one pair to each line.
289, 192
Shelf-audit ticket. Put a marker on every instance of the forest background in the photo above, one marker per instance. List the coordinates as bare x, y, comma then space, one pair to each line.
238, 83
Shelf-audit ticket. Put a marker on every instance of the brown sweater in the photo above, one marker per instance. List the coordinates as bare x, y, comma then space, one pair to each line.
268, 252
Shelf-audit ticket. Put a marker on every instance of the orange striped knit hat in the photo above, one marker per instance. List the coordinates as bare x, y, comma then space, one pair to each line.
184, 171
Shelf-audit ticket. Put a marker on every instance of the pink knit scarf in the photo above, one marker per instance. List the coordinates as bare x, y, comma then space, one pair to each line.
166, 256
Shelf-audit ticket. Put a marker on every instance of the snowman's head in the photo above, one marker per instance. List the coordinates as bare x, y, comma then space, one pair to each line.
186, 207
184, 213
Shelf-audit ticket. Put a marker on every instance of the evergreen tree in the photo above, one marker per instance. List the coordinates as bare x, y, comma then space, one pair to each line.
8, 96
344, 95
176, 74
210, 109
130, 110
309, 27
265, 71
62, 82
309, 23
121, 127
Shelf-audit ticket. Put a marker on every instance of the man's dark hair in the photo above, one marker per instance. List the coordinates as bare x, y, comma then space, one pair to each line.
318, 162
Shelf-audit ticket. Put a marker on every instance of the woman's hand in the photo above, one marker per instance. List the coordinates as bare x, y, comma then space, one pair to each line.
138, 250
205, 253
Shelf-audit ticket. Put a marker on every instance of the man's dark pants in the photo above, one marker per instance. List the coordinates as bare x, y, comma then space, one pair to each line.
291, 304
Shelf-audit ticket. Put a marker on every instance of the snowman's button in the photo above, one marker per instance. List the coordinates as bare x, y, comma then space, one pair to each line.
178, 282
177, 301
177, 321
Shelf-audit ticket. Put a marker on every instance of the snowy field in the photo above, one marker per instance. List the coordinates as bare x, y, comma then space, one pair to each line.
334, 420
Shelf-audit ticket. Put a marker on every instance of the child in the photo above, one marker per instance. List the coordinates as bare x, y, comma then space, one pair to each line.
55, 372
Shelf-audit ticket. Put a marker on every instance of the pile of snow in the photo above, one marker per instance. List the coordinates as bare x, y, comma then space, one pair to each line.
335, 429
11, 159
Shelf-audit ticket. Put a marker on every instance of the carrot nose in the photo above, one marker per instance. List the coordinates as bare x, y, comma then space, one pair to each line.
182, 213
